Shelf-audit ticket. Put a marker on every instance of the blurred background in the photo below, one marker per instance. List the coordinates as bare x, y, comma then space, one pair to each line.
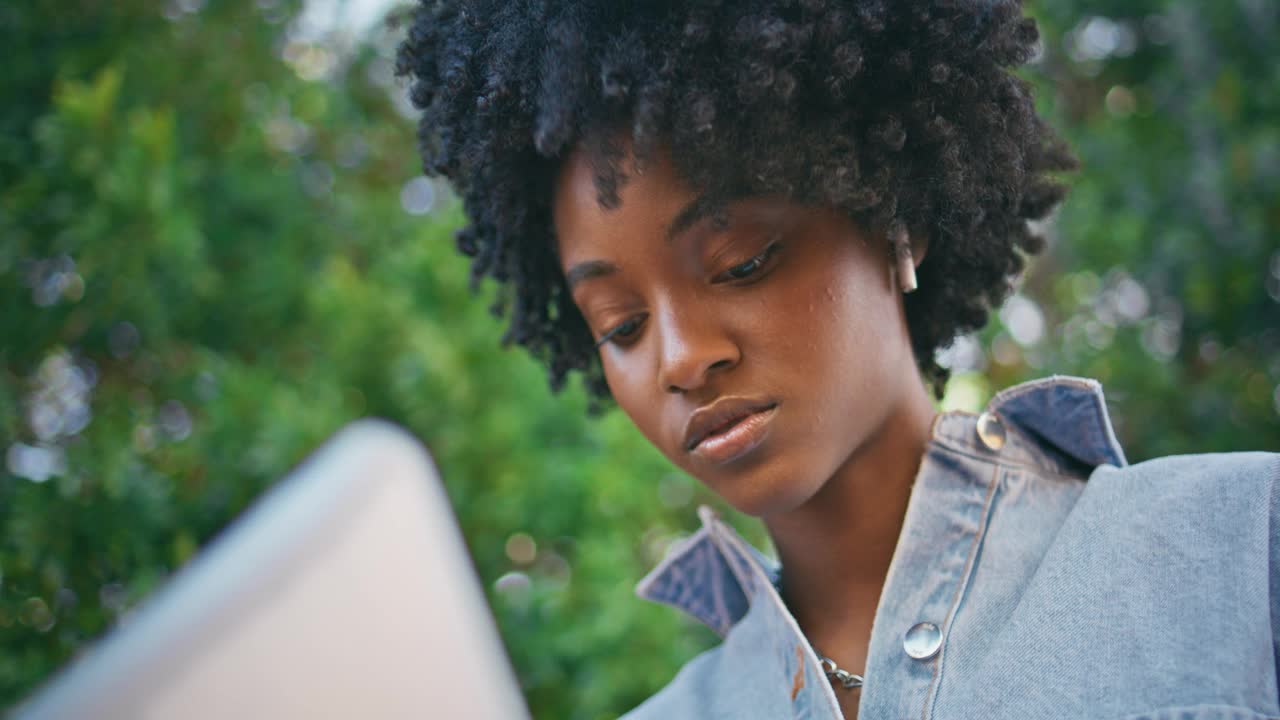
216, 248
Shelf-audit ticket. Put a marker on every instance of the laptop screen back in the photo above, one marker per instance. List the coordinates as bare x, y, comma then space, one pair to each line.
345, 592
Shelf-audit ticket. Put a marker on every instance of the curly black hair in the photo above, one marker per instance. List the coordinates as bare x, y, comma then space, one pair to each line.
899, 113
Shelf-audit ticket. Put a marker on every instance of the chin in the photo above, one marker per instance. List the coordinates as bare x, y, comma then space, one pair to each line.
766, 494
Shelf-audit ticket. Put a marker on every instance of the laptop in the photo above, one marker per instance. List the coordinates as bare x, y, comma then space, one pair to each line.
345, 592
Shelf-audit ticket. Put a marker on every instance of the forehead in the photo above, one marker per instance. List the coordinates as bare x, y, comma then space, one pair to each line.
650, 202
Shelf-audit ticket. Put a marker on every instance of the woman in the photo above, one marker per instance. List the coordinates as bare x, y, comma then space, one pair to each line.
752, 225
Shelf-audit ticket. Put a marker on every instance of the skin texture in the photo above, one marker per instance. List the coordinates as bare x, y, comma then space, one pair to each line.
819, 329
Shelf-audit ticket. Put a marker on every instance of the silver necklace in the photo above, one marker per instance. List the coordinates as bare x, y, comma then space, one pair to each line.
847, 679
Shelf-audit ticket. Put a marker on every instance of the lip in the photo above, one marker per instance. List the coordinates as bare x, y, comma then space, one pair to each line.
728, 424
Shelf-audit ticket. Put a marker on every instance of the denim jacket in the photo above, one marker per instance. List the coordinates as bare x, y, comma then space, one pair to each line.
1062, 583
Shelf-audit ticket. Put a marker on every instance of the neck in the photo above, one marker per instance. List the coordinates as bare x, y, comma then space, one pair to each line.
835, 549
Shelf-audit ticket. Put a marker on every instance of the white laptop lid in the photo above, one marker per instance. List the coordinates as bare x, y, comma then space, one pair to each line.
345, 592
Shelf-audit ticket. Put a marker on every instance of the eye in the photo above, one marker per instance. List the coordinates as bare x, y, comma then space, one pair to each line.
752, 267
622, 331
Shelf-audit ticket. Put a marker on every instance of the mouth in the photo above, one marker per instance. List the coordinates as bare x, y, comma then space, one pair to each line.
730, 432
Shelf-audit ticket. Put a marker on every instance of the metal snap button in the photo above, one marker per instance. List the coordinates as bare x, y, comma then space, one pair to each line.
922, 641
991, 431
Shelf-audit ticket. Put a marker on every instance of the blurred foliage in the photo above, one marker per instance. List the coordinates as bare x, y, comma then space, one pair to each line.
1163, 281
215, 250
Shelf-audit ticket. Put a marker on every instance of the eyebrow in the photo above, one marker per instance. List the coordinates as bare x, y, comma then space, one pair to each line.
697, 209
587, 270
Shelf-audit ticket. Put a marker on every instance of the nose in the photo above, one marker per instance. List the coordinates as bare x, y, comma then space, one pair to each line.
694, 345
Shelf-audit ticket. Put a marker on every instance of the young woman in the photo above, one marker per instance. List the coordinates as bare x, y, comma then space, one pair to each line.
752, 225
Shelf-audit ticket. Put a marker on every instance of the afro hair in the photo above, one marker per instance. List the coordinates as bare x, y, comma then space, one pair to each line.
898, 113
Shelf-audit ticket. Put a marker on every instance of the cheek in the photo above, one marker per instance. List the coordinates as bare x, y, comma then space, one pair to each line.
635, 395
843, 314
863, 320
845, 336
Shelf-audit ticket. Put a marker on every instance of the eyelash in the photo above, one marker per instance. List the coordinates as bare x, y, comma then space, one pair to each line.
618, 329
754, 264
757, 262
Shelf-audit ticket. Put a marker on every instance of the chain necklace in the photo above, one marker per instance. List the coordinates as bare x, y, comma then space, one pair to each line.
847, 680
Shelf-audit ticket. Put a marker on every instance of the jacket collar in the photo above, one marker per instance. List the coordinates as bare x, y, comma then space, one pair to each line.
1063, 415
712, 575
715, 574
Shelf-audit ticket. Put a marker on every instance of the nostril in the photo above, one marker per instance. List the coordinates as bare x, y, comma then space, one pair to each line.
673, 388
689, 353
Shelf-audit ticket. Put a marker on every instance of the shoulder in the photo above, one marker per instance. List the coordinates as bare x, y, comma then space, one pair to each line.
687, 695
1215, 502
1245, 474
749, 674
1220, 465
746, 675
739, 678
